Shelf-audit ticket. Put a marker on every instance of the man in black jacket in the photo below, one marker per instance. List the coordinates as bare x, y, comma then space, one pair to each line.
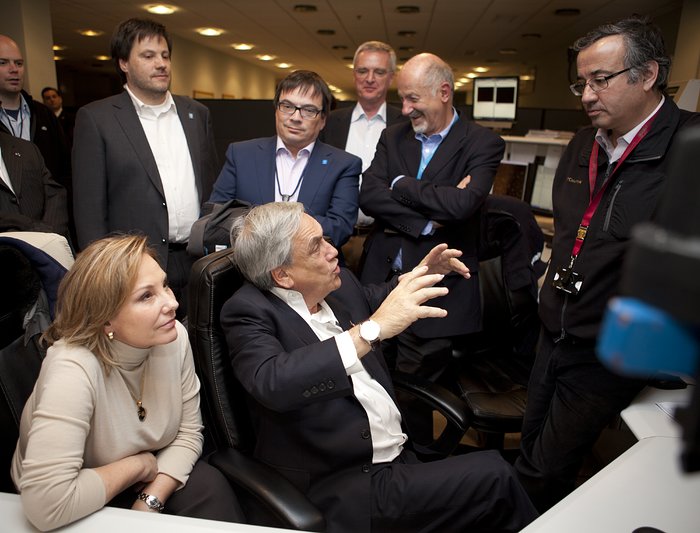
22, 116
609, 179
304, 338
357, 129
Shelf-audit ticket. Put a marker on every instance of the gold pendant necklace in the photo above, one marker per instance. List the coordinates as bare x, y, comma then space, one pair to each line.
140, 409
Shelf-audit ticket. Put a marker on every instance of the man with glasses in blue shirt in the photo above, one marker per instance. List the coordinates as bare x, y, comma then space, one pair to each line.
294, 166
608, 180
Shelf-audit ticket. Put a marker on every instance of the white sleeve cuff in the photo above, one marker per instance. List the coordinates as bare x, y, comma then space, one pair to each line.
348, 354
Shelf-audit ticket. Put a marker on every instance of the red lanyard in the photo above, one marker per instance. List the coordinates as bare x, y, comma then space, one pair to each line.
594, 199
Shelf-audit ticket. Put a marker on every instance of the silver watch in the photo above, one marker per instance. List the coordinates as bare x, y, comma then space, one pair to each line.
370, 331
151, 502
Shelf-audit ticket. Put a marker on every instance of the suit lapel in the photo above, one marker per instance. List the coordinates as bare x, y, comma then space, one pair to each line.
128, 120
314, 173
296, 323
186, 114
344, 129
13, 164
448, 149
265, 169
410, 152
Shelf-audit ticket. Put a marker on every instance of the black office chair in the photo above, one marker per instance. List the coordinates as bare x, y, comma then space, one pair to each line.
26, 272
268, 498
492, 367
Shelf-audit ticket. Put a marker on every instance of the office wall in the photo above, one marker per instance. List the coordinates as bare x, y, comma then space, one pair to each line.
196, 68
26, 21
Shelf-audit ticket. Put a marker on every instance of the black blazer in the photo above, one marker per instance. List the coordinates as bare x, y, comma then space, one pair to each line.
46, 132
309, 425
116, 184
38, 202
337, 126
402, 213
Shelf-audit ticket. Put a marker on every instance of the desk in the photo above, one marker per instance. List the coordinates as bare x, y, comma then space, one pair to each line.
646, 419
645, 486
113, 520
642, 487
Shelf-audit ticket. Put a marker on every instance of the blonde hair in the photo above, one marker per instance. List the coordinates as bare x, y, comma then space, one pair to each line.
94, 290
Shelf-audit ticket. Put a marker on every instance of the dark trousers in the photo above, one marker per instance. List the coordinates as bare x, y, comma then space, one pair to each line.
207, 494
427, 358
571, 398
476, 492
178, 271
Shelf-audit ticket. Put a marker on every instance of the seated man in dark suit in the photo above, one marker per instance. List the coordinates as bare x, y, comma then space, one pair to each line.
295, 166
30, 200
304, 341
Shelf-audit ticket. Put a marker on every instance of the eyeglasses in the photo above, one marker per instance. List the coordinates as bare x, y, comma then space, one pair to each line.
362, 72
597, 84
307, 111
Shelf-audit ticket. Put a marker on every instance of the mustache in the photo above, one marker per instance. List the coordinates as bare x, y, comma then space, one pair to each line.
415, 114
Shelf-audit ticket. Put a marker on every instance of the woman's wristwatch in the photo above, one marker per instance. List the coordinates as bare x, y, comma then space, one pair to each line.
151, 502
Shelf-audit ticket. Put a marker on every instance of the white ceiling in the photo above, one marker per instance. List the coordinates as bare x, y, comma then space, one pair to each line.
466, 33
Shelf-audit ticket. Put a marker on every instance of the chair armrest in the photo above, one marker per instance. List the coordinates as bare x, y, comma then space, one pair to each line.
446, 403
270, 488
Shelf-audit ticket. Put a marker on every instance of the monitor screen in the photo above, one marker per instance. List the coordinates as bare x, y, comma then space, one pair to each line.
495, 98
511, 179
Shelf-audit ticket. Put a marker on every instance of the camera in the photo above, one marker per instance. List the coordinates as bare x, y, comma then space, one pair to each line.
565, 279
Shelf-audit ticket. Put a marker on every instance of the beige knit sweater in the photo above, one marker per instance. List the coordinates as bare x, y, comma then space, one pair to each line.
79, 418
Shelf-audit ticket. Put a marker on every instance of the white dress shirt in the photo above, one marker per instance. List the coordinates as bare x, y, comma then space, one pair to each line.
289, 171
168, 143
363, 137
383, 414
4, 174
615, 152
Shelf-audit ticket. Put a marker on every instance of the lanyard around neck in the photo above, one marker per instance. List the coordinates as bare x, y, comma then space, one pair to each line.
286, 197
594, 199
20, 116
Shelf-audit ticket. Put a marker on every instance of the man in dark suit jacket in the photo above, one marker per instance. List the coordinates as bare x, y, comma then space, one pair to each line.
23, 117
426, 185
53, 99
304, 340
357, 129
295, 165
30, 200
373, 67
144, 160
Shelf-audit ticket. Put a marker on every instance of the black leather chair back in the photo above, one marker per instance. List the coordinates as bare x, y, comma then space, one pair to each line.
19, 369
213, 280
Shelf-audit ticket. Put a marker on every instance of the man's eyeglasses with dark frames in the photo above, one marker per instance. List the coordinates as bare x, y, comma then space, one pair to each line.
307, 112
599, 83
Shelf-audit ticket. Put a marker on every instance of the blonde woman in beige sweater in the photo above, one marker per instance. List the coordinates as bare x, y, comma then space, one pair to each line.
114, 417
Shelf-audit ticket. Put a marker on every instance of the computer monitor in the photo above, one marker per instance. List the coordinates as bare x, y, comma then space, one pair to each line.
512, 179
495, 99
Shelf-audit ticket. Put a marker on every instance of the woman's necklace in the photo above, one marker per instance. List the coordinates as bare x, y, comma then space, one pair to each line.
140, 409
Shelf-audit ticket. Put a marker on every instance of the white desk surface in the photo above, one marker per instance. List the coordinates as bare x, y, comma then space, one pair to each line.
643, 487
113, 520
646, 419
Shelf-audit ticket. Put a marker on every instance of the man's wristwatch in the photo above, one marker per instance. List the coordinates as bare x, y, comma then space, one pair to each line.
369, 331
151, 502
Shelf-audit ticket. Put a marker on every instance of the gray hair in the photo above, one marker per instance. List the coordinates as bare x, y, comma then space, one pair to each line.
262, 240
376, 46
643, 42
